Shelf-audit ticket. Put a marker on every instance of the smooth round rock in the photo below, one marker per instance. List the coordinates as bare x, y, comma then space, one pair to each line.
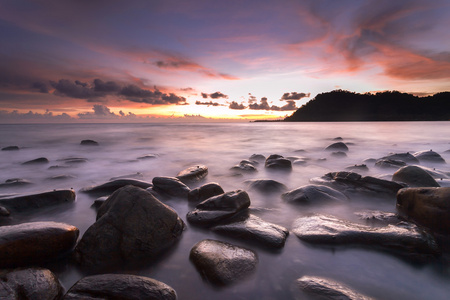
313, 193
35, 201
324, 288
338, 146
278, 162
414, 176
171, 186
429, 156
37, 161
89, 143
204, 192
193, 174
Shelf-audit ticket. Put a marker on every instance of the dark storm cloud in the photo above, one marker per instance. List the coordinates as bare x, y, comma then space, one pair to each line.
73, 89
40, 86
210, 103
235, 105
294, 96
105, 87
216, 95
136, 94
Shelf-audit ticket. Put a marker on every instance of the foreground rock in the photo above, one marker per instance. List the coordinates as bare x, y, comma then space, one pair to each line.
132, 227
255, 229
266, 186
37, 161
204, 192
324, 288
338, 146
119, 286
35, 242
193, 174
111, 186
171, 186
278, 162
89, 143
429, 207
31, 283
220, 207
34, 201
222, 263
407, 239
414, 176
429, 156
312, 194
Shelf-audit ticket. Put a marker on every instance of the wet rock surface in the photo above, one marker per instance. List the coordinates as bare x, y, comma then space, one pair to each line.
193, 174
278, 162
313, 193
120, 286
10, 148
15, 182
89, 143
407, 157
429, 156
204, 192
324, 288
338, 146
35, 201
222, 263
266, 185
37, 161
245, 166
389, 163
414, 176
171, 186
35, 242
111, 186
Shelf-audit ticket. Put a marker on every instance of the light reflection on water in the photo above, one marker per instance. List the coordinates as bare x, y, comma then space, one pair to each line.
221, 146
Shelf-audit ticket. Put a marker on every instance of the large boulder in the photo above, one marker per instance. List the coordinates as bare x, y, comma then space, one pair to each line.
204, 192
278, 162
119, 286
312, 194
113, 185
324, 288
338, 146
414, 176
193, 174
31, 283
429, 156
266, 185
429, 207
132, 226
405, 238
255, 229
222, 263
35, 242
171, 186
34, 201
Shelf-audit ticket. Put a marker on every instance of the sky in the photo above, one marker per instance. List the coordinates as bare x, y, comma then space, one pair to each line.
204, 60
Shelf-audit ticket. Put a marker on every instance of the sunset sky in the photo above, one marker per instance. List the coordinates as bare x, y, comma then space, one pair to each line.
144, 60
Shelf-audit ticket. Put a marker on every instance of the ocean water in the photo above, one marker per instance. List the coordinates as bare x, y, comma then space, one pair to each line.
220, 147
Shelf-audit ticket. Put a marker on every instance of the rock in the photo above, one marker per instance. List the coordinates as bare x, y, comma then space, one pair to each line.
204, 192
99, 202
376, 217
313, 194
218, 208
245, 166
4, 212
429, 156
15, 182
371, 161
338, 139
255, 229
429, 207
278, 162
10, 148
35, 242
324, 288
111, 186
339, 146
148, 156
128, 176
404, 157
222, 263
119, 286
193, 174
361, 168
61, 177
31, 283
257, 157
37, 161
436, 174
389, 163
266, 185
89, 143
132, 227
171, 186
339, 154
405, 238
34, 201
414, 176
73, 161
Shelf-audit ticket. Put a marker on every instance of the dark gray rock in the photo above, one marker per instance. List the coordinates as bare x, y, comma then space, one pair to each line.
360, 168
339, 154
132, 227
324, 288
35, 201
204, 192
111, 186
370, 161
266, 185
338, 139
35, 242
405, 238
15, 182
193, 174
4, 212
338, 146
171, 186
89, 143
245, 166
255, 229
404, 157
136, 175
278, 162
31, 283
119, 286
10, 148
429, 207
258, 157
222, 263
37, 161
148, 156
61, 177
376, 217
99, 202
389, 163
313, 194
414, 176
429, 156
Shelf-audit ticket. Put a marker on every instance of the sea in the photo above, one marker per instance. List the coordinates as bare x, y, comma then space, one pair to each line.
220, 146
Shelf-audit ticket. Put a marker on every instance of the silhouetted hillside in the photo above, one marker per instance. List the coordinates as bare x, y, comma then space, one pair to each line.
342, 105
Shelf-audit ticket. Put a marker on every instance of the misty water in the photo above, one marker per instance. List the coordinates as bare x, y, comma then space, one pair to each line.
221, 146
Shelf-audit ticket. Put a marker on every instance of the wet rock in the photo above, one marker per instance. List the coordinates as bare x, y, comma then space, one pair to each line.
111, 186
218, 208
35, 242
37, 161
257, 157
376, 217
255, 229
370, 161
404, 157
15, 182
10, 148
89, 143
119, 286
193, 174
132, 227
313, 194
148, 156
429, 207
99, 202
338, 146
31, 283
266, 185
338, 139
222, 263
436, 174
136, 175
204, 192
4, 212
389, 163
34, 201
300, 162
339, 154
245, 166
405, 238
58, 167
324, 288
278, 162
361, 168
61, 177
429, 156
74, 161
414, 176
171, 186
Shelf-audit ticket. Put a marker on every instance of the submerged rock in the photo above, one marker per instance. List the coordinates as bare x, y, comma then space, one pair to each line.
34, 201
10, 148
376, 217
389, 163
324, 288
266, 185
339, 154
204, 192
4, 212
148, 156
35, 242
111, 186
429, 156
61, 177
361, 167
171, 186
338, 146
193, 174
414, 176
313, 193
222, 263
132, 227
257, 157
278, 162
429, 207
245, 166
404, 157
37, 161
120, 286
89, 143
128, 176
15, 182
